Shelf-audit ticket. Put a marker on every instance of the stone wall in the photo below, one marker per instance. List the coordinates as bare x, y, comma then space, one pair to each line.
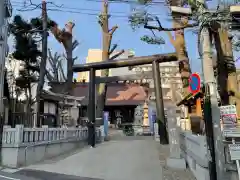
24, 146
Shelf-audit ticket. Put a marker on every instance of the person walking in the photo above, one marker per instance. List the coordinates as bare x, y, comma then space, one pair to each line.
91, 133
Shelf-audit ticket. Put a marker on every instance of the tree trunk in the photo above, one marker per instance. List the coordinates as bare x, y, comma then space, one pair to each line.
180, 48
222, 74
106, 52
69, 64
65, 37
102, 89
29, 105
227, 76
232, 75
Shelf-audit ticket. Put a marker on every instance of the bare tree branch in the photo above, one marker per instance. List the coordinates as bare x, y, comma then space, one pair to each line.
111, 31
54, 61
62, 72
49, 76
75, 44
74, 59
50, 58
117, 55
160, 28
32, 6
110, 34
112, 49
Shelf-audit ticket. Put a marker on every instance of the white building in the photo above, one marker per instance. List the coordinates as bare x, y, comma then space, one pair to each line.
13, 67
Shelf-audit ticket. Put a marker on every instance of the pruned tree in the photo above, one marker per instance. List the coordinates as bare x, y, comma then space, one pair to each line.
26, 50
143, 18
55, 73
226, 69
220, 37
138, 19
65, 37
107, 54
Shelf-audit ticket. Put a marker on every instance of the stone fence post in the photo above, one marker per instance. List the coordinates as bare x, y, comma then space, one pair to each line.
156, 134
45, 135
19, 134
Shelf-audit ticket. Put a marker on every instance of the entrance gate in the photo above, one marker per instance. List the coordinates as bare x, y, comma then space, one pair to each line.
134, 61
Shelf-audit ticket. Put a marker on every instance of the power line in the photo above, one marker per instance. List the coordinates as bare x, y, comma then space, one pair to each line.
73, 8
120, 1
91, 12
78, 12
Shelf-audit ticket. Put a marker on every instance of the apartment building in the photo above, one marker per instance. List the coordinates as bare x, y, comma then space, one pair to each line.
170, 79
169, 72
95, 55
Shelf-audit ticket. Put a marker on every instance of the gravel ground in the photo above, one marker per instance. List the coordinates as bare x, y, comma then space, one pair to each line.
169, 173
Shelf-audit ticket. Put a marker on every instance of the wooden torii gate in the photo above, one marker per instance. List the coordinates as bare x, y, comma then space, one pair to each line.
134, 61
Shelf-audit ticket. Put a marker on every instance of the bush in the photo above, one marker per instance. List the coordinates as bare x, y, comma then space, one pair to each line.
128, 130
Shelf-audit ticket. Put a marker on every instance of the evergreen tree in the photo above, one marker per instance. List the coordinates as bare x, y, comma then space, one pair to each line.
26, 51
140, 17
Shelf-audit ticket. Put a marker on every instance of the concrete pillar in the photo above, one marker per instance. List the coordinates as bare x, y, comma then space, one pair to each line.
174, 161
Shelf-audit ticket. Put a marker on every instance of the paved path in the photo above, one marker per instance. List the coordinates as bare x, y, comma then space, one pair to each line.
126, 158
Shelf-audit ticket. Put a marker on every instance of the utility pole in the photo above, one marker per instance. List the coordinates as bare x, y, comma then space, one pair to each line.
42, 63
5, 12
212, 112
2, 53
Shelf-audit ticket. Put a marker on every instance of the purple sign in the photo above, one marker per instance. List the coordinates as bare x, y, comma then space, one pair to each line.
105, 122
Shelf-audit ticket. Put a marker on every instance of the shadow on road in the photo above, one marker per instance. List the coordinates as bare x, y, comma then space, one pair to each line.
43, 175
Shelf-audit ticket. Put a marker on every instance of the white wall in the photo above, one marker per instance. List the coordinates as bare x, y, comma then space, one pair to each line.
49, 108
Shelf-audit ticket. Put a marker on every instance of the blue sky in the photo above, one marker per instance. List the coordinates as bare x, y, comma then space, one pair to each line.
88, 32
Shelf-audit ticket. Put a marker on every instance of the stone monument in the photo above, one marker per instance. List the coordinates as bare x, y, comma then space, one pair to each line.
174, 160
138, 120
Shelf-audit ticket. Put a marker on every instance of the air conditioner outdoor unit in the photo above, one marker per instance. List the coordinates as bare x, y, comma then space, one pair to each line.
235, 9
235, 12
181, 10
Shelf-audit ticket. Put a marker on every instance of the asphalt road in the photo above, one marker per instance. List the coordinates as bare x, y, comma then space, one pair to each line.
43, 175
121, 158
9, 176
28, 174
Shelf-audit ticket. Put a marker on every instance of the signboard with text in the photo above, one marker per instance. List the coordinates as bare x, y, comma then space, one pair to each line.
228, 114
